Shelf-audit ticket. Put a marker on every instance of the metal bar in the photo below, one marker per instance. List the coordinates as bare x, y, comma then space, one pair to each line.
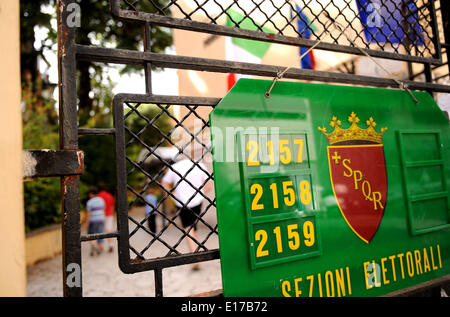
406, 39
436, 41
428, 76
148, 66
158, 283
68, 134
148, 90
138, 265
97, 236
167, 99
121, 188
48, 163
445, 9
216, 29
213, 65
96, 131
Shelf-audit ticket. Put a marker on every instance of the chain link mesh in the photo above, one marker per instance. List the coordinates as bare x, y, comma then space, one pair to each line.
397, 26
149, 131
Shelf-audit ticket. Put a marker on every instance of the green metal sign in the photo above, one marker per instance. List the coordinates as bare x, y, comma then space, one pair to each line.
327, 190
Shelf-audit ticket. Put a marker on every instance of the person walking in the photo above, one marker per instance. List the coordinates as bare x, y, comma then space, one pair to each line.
109, 213
150, 208
188, 199
95, 219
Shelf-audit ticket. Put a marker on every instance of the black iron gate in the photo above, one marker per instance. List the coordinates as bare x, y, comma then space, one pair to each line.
419, 40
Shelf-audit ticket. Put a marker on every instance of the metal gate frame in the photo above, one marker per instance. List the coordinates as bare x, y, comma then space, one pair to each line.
139, 264
69, 52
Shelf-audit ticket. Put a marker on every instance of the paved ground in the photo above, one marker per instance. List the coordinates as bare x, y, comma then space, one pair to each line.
102, 276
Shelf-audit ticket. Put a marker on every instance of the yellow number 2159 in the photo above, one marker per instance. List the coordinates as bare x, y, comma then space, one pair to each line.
294, 238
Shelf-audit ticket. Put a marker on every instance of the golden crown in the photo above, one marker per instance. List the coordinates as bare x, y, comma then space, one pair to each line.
353, 132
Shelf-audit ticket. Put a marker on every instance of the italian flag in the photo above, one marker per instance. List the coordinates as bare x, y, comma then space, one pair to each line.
241, 50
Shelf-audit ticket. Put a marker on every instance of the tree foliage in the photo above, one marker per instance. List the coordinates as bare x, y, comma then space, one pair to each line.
39, 130
146, 130
40, 118
31, 16
98, 28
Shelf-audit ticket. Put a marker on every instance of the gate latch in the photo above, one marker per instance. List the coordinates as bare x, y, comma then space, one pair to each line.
49, 163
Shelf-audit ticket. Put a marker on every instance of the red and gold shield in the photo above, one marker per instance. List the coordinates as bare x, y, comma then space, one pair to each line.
358, 174
358, 178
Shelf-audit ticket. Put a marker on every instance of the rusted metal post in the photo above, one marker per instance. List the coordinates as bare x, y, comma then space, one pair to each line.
68, 140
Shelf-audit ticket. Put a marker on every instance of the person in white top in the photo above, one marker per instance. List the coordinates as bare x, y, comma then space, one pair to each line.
185, 192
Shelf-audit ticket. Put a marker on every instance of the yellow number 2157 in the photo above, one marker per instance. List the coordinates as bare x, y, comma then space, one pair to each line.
286, 151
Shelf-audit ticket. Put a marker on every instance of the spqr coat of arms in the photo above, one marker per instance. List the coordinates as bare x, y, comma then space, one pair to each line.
358, 174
